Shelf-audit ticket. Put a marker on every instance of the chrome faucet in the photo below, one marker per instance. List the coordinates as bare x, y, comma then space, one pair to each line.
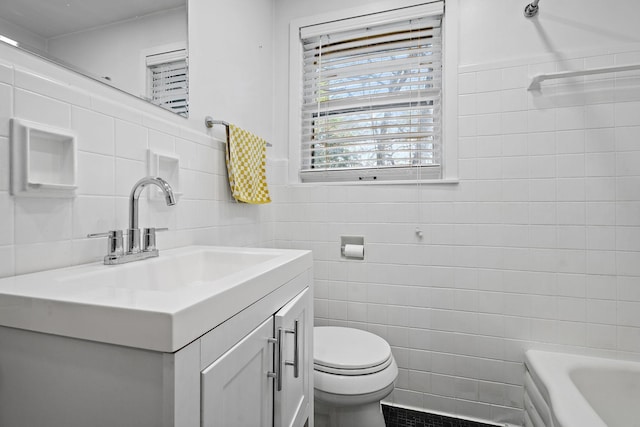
133, 238
115, 252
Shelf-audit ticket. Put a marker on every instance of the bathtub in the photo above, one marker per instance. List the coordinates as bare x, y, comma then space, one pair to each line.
568, 390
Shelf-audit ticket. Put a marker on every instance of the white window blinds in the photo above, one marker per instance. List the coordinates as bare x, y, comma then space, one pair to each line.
372, 97
168, 81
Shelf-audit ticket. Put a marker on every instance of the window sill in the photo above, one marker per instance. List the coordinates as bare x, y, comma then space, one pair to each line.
448, 181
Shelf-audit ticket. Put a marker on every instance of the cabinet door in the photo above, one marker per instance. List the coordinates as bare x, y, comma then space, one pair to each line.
292, 397
236, 391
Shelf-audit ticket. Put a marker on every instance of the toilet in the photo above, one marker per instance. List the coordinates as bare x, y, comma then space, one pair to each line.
353, 371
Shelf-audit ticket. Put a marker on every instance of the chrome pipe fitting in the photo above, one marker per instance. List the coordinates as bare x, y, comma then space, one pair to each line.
531, 9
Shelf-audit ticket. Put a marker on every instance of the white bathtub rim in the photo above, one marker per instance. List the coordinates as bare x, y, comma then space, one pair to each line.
537, 401
551, 371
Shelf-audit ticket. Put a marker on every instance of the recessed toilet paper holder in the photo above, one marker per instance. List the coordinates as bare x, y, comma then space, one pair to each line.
352, 247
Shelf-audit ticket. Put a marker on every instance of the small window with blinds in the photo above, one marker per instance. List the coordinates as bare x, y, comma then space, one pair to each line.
372, 98
168, 81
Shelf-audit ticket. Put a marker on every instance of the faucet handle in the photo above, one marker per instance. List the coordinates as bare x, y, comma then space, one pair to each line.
114, 241
149, 238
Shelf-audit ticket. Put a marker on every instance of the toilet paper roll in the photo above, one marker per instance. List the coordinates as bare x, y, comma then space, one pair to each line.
354, 251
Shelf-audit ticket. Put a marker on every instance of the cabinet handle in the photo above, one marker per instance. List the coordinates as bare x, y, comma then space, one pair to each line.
270, 374
277, 375
280, 359
296, 350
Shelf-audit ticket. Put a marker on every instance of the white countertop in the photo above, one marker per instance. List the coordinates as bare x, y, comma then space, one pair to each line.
158, 304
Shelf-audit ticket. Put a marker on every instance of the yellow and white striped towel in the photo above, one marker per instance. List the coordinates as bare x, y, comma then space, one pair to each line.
247, 166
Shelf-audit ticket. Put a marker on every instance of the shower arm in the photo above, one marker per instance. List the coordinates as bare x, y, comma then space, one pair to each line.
531, 9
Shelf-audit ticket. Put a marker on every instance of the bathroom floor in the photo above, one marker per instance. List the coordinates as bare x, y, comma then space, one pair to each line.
401, 417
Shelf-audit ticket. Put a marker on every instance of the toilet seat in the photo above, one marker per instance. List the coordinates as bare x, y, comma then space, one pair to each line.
348, 351
350, 372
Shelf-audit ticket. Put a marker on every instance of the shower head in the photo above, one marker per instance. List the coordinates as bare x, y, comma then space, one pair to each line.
532, 9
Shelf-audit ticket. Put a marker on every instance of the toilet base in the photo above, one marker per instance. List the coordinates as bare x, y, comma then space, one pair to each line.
366, 415
364, 410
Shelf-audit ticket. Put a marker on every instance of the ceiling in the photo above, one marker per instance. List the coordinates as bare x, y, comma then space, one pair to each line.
51, 18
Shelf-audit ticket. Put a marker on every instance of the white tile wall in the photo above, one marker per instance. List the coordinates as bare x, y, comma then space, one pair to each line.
537, 246
38, 234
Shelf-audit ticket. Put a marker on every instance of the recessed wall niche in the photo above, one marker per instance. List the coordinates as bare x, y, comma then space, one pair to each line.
43, 160
166, 166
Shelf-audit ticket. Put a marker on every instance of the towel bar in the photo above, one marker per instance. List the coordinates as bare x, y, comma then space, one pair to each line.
209, 122
535, 82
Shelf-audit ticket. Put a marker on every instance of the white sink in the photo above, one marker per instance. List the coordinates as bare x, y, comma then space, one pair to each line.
158, 304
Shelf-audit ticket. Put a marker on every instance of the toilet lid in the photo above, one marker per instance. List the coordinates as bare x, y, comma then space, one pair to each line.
348, 348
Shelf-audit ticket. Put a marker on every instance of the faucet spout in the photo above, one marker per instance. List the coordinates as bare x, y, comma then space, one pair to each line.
133, 235
135, 195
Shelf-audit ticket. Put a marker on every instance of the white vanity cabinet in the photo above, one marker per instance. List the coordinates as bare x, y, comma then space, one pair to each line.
236, 388
264, 379
294, 327
225, 377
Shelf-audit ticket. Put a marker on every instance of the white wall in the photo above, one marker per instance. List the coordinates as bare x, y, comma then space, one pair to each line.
495, 30
231, 64
114, 131
537, 246
117, 50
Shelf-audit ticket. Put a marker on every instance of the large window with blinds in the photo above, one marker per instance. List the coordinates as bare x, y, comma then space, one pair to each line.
372, 89
168, 81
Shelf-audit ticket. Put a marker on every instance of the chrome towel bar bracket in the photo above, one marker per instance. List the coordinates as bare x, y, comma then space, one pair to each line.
209, 122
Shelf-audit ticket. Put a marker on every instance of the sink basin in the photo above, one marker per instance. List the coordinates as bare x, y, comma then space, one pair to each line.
172, 273
159, 304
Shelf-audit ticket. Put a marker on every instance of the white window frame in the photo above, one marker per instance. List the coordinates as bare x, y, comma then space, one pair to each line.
177, 50
449, 83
